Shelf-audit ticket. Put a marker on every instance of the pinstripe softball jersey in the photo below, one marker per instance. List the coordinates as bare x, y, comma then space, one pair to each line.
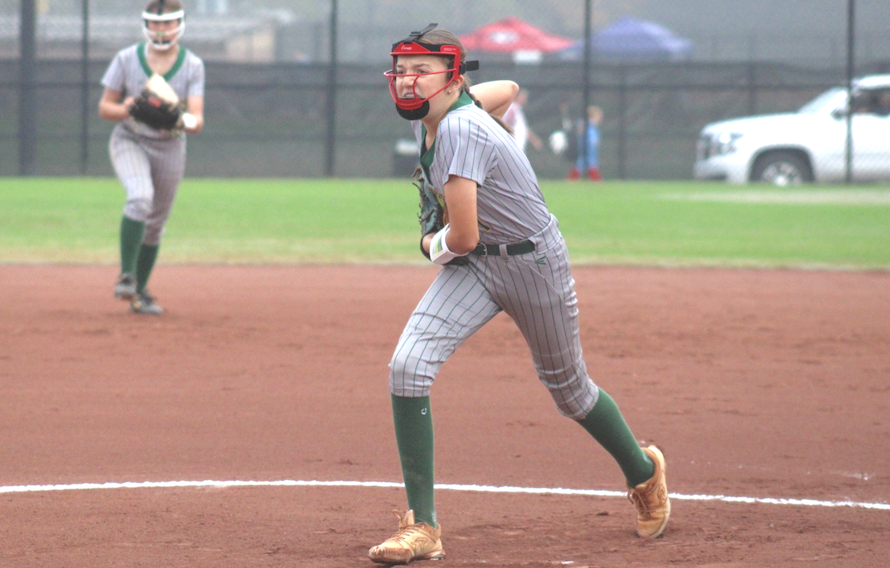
150, 163
472, 145
535, 289
129, 71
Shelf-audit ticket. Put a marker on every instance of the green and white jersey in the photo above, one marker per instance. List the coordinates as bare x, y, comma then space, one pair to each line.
129, 71
471, 144
535, 288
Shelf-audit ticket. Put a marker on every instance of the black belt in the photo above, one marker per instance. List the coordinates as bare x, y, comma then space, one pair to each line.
524, 247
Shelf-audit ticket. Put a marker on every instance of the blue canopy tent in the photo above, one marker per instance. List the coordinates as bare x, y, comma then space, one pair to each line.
632, 39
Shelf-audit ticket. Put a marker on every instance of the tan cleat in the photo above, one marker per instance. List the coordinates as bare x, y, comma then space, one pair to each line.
651, 499
413, 541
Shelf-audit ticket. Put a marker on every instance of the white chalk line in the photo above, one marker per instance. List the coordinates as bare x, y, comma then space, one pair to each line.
790, 197
439, 486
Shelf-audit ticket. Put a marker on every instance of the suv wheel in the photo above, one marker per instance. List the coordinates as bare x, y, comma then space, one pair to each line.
781, 168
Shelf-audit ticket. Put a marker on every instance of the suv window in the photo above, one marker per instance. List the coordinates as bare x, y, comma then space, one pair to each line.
872, 101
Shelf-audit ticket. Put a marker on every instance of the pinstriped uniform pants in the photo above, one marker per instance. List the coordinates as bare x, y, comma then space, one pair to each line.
150, 170
535, 289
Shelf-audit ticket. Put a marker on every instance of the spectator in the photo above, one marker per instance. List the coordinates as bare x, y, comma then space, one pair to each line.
594, 118
515, 119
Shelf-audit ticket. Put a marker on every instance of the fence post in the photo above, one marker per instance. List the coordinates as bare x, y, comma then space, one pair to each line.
85, 88
27, 99
752, 88
851, 41
330, 146
582, 148
622, 121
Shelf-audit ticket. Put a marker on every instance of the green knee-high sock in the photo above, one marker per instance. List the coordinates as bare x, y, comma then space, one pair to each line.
608, 427
131, 239
145, 262
414, 435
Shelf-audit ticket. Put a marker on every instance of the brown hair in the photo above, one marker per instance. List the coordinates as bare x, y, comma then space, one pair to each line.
594, 114
167, 6
441, 37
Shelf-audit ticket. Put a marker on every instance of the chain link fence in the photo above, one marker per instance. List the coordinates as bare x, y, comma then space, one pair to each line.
284, 100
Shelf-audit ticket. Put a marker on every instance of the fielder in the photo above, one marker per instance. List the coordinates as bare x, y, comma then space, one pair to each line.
484, 220
155, 91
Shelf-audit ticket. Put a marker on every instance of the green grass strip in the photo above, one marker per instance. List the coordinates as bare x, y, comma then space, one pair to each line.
76, 220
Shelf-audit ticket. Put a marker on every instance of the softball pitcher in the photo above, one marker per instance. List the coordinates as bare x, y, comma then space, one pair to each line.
500, 250
148, 146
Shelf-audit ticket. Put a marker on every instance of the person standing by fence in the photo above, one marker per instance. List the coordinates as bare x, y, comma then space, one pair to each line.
591, 131
515, 118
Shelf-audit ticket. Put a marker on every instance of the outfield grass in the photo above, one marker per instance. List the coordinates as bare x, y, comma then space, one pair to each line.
345, 221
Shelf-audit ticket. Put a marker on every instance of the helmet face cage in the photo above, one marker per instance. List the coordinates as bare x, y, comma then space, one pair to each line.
408, 47
163, 40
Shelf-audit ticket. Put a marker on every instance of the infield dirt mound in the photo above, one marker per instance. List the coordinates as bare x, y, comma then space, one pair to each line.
756, 383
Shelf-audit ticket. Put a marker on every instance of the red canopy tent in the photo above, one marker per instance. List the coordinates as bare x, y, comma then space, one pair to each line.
512, 35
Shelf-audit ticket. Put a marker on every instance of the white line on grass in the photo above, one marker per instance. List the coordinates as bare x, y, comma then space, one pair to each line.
790, 197
440, 486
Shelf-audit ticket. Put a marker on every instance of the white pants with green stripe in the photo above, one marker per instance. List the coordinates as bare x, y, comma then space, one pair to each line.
535, 289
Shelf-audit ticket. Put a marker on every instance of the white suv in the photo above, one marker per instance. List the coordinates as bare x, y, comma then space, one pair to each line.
808, 145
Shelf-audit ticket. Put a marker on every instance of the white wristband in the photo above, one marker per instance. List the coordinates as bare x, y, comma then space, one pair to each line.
189, 120
439, 251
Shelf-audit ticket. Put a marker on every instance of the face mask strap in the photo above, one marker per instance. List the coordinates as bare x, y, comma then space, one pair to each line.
414, 37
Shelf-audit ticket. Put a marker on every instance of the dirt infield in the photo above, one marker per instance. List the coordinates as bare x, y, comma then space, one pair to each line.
760, 384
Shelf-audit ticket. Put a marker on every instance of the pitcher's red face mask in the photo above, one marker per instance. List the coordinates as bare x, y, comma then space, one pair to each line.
414, 106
